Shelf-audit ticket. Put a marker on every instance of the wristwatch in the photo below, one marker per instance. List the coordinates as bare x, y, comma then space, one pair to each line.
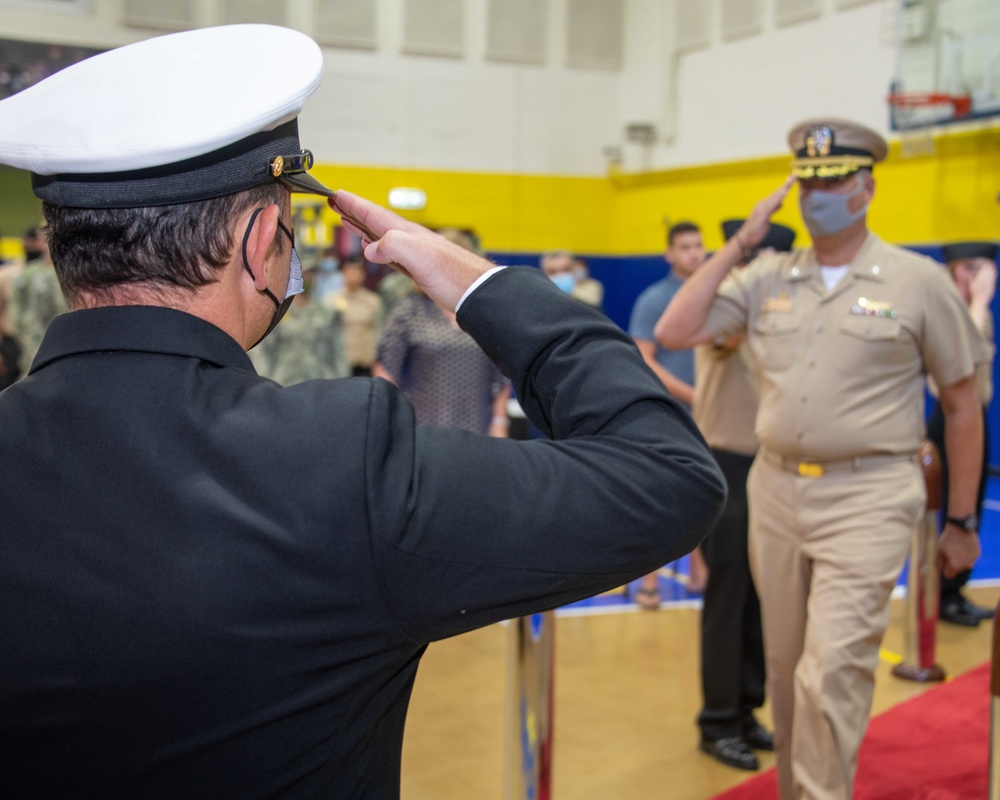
969, 524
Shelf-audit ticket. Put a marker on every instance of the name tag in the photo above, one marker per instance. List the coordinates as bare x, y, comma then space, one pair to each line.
780, 303
873, 308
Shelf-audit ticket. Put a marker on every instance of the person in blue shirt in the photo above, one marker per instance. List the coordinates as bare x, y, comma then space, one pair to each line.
675, 368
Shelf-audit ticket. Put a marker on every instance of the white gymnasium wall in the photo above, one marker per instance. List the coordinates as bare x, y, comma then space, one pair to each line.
719, 79
384, 107
741, 97
737, 95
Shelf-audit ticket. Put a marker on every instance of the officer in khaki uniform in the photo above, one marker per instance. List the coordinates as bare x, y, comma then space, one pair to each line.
732, 646
841, 335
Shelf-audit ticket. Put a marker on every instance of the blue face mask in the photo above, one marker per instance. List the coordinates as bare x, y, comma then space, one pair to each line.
565, 281
826, 213
295, 283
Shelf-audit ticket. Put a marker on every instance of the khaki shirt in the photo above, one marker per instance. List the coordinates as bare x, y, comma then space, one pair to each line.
361, 317
588, 291
725, 399
984, 369
841, 373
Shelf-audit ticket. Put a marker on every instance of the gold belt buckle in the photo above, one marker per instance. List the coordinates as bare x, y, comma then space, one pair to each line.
807, 470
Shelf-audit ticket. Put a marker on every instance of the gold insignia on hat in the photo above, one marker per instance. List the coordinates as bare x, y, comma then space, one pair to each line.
830, 149
277, 166
819, 141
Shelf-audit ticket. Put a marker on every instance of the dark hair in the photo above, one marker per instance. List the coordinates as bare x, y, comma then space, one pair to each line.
182, 245
353, 261
678, 229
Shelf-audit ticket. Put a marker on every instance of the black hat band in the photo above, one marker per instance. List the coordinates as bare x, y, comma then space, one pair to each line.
234, 168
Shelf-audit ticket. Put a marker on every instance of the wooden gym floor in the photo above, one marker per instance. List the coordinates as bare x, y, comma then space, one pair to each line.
627, 692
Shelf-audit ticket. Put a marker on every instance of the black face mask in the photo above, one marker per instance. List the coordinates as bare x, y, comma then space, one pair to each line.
32, 255
294, 277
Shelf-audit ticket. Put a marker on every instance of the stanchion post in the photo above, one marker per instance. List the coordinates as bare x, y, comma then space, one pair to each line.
923, 583
530, 686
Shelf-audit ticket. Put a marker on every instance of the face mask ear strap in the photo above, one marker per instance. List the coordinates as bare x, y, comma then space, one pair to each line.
246, 261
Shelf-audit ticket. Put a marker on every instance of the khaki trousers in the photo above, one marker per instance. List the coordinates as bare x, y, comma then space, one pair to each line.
825, 554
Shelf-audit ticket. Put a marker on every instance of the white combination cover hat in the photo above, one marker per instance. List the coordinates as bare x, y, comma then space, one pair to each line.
174, 119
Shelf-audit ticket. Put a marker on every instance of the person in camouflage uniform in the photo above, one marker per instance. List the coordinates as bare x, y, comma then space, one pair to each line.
307, 345
36, 297
10, 348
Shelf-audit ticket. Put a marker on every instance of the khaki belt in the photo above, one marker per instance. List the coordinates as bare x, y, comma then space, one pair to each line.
817, 469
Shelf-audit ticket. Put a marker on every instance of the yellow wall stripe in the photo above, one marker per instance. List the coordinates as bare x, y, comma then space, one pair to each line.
949, 196
525, 213
923, 200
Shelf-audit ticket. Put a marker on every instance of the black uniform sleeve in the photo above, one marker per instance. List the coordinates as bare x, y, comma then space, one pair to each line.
468, 530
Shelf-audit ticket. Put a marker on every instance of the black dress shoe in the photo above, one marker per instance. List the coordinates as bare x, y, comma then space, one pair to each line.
731, 751
959, 611
980, 612
759, 738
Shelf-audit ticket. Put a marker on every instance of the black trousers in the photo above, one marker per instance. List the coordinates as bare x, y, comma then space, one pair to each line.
732, 644
951, 587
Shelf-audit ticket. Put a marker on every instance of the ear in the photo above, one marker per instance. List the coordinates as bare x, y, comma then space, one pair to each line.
265, 227
864, 197
869, 185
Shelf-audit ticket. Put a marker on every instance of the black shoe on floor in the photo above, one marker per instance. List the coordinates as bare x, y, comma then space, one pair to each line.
959, 611
758, 737
731, 751
981, 612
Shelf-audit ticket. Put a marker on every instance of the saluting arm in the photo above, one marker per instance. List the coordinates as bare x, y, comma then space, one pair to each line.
467, 530
683, 324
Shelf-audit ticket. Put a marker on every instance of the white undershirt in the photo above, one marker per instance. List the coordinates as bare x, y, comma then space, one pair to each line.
481, 279
833, 275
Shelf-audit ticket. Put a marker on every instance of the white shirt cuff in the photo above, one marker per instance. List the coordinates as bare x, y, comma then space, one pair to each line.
481, 279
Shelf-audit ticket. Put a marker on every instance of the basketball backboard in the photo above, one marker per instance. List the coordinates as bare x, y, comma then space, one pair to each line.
948, 63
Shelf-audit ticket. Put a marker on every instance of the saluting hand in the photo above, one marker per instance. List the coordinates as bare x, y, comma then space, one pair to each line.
984, 284
755, 228
444, 271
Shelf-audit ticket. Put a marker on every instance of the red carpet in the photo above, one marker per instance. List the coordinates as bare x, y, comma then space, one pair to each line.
932, 747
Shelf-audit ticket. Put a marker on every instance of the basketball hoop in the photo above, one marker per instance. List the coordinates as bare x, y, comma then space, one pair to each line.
961, 104
914, 114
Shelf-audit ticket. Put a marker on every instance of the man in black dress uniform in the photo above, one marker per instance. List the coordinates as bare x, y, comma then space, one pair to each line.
214, 586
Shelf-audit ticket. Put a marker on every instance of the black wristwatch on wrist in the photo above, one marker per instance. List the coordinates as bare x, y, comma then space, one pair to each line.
970, 524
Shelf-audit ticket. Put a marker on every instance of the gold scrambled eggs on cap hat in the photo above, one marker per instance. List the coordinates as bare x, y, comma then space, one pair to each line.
173, 119
832, 148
